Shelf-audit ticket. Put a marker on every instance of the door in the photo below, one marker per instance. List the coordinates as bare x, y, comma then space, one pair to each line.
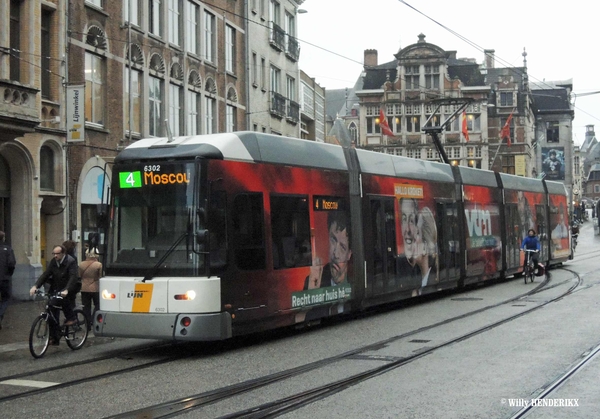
449, 241
382, 251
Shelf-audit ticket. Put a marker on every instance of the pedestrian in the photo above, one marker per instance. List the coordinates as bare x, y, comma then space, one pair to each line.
7, 267
63, 278
90, 271
70, 246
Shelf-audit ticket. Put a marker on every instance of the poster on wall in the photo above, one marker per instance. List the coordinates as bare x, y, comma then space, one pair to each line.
553, 163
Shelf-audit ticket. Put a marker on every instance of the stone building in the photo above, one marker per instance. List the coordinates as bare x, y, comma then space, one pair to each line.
272, 58
34, 203
407, 90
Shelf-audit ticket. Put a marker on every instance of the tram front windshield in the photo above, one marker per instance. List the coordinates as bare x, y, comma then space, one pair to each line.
152, 218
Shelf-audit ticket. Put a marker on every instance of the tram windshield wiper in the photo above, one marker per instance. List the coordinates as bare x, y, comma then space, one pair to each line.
156, 267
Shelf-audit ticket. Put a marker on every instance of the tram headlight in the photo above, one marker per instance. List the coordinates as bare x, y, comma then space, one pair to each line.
189, 295
107, 295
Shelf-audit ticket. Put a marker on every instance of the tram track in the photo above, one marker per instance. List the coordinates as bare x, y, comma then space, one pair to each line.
296, 401
63, 369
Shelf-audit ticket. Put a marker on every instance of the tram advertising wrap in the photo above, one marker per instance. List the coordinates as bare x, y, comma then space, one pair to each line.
221, 235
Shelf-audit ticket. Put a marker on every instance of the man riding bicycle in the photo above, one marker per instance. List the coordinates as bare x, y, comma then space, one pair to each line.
531, 242
62, 275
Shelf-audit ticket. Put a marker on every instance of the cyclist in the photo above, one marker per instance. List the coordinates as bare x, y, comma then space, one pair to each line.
63, 276
531, 242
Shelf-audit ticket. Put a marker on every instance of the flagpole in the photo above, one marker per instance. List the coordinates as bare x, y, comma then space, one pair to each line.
495, 155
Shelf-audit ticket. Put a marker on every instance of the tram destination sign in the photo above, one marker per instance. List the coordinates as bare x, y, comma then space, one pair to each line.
153, 176
328, 203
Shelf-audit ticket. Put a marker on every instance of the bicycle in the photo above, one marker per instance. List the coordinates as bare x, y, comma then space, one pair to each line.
39, 336
529, 266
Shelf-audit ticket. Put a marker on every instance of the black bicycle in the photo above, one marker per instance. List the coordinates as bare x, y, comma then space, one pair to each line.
39, 336
529, 265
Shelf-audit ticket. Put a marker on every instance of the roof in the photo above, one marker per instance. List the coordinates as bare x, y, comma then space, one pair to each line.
548, 100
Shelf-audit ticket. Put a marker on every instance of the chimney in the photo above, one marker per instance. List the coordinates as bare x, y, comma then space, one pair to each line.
370, 58
489, 58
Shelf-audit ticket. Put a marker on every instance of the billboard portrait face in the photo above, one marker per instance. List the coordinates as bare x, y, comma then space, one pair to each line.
553, 162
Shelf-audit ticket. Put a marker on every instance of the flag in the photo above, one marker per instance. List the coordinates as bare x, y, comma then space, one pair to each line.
383, 123
465, 130
505, 133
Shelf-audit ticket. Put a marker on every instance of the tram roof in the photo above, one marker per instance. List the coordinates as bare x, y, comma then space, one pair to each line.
389, 165
241, 146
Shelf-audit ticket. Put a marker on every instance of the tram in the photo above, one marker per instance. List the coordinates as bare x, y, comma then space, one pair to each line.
215, 236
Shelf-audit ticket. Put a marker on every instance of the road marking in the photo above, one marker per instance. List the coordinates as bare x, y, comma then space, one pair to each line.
29, 383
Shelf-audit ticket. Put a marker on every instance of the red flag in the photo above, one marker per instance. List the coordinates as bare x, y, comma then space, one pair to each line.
465, 130
383, 123
505, 133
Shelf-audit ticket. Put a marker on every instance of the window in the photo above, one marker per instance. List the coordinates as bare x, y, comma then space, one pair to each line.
411, 77
94, 88
210, 108
290, 232
15, 40
135, 11
193, 101
230, 116
191, 32
274, 12
155, 96
46, 168
255, 70
596, 188
275, 79
230, 49
174, 17
97, 3
263, 74
508, 164
506, 98
432, 77
135, 100
45, 50
154, 17
552, 132
353, 132
473, 122
174, 109
209, 38
413, 123
247, 219
291, 88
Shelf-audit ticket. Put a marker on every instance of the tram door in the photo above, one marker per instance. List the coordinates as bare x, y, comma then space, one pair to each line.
383, 246
542, 231
513, 236
448, 241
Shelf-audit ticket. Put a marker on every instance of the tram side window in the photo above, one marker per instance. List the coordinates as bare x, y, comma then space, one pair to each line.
248, 231
290, 228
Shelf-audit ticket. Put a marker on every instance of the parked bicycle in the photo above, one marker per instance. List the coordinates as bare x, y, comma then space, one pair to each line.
529, 265
39, 336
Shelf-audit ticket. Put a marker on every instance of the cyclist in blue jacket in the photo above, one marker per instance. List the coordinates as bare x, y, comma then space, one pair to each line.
531, 242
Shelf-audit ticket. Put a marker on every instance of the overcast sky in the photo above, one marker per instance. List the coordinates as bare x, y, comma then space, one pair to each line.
560, 39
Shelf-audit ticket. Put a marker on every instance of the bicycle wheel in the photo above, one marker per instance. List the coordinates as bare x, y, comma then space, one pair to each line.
77, 334
39, 337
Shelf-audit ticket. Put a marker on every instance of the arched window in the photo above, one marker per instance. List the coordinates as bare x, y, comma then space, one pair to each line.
46, 168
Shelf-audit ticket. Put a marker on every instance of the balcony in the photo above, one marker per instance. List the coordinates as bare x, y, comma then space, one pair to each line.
293, 48
18, 107
278, 105
277, 37
293, 112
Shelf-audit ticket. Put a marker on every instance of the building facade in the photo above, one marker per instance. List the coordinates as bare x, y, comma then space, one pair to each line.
272, 59
312, 109
34, 203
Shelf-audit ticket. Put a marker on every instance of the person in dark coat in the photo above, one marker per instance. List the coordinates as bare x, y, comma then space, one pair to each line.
7, 267
63, 276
